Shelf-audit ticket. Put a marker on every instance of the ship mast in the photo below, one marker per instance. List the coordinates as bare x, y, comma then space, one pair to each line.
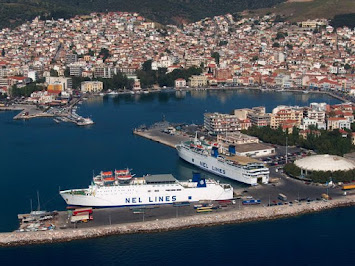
39, 205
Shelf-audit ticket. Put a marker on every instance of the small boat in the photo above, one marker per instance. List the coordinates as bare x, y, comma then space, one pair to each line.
106, 174
123, 175
84, 122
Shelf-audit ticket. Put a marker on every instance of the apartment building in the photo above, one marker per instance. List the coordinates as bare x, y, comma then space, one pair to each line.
282, 113
219, 123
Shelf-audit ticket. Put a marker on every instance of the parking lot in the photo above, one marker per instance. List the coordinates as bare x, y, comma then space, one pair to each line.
280, 158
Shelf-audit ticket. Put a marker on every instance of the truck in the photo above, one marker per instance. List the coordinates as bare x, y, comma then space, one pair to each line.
348, 186
251, 202
282, 197
81, 218
82, 210
325, 196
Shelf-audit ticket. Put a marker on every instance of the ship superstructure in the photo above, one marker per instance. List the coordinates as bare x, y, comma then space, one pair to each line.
239, 168
120, 188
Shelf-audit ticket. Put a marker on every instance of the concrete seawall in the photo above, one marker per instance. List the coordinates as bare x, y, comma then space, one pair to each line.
236, 216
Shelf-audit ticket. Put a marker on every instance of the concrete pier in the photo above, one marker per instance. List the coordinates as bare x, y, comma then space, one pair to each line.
157, 135
259, 213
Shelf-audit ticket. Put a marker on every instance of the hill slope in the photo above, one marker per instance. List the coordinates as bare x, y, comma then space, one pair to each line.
14, 12
303, 10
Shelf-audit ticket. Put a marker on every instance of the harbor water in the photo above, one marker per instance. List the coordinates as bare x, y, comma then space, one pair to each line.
41, 155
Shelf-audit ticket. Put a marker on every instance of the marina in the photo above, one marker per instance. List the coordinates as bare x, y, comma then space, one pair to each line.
59, 114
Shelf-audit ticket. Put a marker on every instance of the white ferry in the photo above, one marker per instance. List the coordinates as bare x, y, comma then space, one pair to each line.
120, 189
239, 168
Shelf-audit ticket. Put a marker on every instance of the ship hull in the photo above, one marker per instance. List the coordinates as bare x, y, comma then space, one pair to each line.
220, 168
117, 196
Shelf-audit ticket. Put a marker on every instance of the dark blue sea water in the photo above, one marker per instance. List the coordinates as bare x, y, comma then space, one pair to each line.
42, 155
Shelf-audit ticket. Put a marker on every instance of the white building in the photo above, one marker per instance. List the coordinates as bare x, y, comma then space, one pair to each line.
254, 150
306, 122
219, 123
92, 86
65, 82
180, 83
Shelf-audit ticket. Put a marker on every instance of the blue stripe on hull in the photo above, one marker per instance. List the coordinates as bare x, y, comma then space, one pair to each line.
122, 206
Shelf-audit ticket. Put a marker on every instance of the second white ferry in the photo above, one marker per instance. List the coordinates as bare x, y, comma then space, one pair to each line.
120, 188
239, 168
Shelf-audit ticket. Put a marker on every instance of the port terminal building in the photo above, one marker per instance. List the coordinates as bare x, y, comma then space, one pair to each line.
324, 162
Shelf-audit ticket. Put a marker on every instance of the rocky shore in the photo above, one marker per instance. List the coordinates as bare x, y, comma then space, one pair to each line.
247, 214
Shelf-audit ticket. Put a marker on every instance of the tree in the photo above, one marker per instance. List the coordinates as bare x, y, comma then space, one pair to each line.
222, 43
53, 73
67, 72
147, 66
3, 52
104, 53
255, 58
216, 57
289, 46
276, 45
280, 35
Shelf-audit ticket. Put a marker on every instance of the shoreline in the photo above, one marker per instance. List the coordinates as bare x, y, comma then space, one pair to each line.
257, 214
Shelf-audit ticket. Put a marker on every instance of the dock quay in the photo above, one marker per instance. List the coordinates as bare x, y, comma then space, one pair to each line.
233, 215
59, 114
158, 133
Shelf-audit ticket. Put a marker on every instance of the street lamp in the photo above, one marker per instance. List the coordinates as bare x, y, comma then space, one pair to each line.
286, 151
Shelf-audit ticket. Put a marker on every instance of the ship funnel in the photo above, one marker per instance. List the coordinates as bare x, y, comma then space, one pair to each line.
214, 152
231, 149
196, 177
202, 183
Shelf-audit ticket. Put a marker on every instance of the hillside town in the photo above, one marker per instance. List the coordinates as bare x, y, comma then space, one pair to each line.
229, 50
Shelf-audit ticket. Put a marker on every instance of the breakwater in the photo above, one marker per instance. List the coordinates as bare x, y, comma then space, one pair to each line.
259, 213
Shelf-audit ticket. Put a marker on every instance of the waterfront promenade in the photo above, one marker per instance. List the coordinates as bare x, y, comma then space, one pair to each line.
258, 213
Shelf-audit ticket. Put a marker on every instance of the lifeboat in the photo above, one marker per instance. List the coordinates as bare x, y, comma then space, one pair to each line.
122, 172
123, 175
106, 174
